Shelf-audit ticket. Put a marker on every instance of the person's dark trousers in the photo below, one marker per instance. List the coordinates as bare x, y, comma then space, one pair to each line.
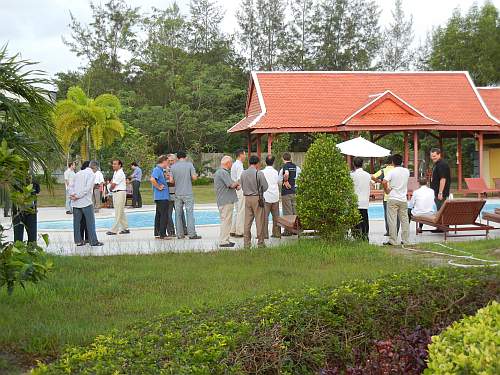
439, 203
136, 194
83, 230
88, 212
161, 218
22, 221
170, 219
386, 221
363, 228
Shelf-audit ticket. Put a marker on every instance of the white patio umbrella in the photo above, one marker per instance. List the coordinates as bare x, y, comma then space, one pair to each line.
363, 148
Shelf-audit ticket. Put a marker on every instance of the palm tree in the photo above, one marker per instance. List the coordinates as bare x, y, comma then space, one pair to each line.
25, 111
92, 123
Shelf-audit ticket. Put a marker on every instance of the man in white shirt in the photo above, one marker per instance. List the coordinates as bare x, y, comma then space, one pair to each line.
119, 189
69, 176
271, 198
396, 186
239, 219
422, 202
81, 191
98, 189
362, 181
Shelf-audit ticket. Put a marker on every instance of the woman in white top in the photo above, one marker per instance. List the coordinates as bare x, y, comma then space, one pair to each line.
271, 198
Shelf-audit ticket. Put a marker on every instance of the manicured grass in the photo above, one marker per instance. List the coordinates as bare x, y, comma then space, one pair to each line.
86, 296
55, 198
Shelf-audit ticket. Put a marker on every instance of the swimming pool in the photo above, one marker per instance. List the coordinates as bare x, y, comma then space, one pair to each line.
145, 219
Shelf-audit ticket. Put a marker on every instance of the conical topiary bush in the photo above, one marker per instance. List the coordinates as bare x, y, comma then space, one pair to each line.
325, 198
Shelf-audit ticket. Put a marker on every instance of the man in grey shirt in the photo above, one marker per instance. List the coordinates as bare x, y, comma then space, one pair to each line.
182, 174
253, 183
225, 189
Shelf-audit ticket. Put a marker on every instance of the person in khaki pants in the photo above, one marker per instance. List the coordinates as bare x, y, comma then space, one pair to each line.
253, 184
272, 198
119, 189
238, 219
225, 189
396, 186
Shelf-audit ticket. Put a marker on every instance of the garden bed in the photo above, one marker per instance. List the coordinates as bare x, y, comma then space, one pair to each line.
329, 330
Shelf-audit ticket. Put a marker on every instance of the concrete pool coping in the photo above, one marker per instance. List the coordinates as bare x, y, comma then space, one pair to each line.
141, 241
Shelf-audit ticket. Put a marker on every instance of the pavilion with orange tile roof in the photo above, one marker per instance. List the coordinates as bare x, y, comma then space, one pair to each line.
439, 104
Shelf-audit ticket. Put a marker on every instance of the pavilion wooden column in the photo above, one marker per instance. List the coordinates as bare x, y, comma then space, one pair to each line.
481, 148
407, 150
269, 143
372, 160
249, 144
415, 153
459, 160
259, 145
441, 144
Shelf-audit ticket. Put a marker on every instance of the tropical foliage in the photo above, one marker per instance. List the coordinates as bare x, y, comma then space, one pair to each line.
25, 110
20, 262
325, 198
469, 346
314, 331
91, 123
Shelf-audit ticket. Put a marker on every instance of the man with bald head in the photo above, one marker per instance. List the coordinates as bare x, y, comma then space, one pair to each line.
225, 189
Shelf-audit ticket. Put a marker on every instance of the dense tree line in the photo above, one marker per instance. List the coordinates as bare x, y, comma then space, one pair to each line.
182, 80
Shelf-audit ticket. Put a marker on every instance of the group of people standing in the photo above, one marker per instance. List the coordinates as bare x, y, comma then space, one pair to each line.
397, 209
248, 195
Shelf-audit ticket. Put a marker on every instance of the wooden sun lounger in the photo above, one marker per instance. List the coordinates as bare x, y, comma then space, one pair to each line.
291, 223
479, 187
492, 216
456, 215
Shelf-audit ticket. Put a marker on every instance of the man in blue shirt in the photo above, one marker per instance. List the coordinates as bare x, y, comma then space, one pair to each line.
136, 178
161, 197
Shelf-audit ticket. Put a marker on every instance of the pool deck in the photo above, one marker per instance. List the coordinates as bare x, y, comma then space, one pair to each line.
141, 241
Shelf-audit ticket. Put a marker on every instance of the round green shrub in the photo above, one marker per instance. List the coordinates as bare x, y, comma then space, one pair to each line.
469, 346
325, 198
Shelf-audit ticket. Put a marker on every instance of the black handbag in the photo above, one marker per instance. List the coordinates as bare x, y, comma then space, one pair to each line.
259, 190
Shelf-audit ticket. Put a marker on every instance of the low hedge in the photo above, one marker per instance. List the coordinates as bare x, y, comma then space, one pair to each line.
319, 330
469, 346
203, 181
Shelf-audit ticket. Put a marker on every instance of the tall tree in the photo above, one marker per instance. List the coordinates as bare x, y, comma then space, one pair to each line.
166, 30
397, 52
347, 34
205, 25
249, 30
470, 42
271, 21
299, 42
110, 31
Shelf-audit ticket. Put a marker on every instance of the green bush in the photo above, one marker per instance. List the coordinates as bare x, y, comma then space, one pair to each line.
325, 199
469, 346
203, 181
287, 333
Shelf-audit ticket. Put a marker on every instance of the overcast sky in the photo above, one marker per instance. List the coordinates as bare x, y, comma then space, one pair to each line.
34, 27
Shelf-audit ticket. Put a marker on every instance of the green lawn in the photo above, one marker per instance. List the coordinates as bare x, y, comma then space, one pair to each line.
86, 296
55, 198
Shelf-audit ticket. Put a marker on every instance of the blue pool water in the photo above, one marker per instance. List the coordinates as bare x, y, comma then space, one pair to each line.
145, 219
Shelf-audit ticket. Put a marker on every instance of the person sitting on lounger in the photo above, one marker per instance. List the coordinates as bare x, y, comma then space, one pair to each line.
422, 202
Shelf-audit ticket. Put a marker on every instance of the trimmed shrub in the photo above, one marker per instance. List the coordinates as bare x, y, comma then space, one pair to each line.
325, 198
203, 181
287, 333
469, 346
